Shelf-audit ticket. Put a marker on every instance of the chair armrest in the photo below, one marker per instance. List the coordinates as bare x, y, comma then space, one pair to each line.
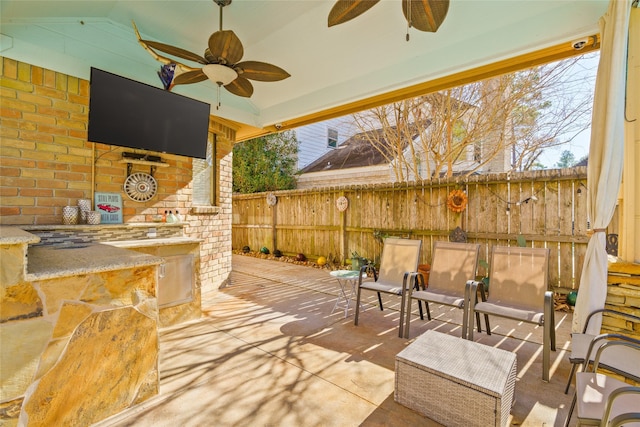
471, 288
415, 278
367, 268
548, 308
613, 396
601, 337
624, 341
608, 310
410, 281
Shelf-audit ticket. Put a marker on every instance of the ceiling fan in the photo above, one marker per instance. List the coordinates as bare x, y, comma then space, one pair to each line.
220, 63
423, 15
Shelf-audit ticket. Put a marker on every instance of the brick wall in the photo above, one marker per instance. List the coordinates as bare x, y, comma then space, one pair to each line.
47, 163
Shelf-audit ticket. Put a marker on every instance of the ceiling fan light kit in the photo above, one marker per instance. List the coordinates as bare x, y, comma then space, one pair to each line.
220, 74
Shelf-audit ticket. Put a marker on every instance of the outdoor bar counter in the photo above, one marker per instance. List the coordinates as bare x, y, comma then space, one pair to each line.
51, 261
84, 318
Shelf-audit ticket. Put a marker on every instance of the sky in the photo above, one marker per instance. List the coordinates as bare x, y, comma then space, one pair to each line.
585, 70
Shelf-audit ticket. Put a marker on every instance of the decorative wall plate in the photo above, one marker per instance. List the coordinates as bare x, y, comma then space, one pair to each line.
140, 187
342, 203
457, 201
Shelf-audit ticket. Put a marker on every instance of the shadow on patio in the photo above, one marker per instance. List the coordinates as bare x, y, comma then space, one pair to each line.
268, 352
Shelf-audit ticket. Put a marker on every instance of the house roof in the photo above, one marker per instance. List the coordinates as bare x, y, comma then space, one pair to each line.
355, 152
334, 70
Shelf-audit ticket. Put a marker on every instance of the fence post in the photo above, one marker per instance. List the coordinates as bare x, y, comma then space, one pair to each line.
343, 231
274, 223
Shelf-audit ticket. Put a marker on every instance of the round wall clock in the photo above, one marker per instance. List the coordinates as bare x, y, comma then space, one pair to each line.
140, 187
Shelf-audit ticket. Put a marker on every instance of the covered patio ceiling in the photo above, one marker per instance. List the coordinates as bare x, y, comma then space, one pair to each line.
334, 71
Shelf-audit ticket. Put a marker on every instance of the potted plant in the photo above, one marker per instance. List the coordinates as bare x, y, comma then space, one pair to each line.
357, 261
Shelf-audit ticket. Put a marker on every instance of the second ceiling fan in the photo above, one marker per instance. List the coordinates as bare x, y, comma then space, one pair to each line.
423, 15
220, 63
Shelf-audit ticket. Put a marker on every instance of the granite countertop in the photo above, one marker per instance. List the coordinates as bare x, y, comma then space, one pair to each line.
77, 227
14, 235
50, 261
141, 243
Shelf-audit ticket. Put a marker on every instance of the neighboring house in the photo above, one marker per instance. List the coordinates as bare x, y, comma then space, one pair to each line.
338, 151
317, 139
356, 160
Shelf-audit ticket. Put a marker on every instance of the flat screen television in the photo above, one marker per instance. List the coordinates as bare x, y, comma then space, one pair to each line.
131, 114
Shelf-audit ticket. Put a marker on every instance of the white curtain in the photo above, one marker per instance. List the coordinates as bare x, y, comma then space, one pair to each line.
604, 172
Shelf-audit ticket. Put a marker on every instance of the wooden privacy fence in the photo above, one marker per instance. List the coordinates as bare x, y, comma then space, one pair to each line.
547, 208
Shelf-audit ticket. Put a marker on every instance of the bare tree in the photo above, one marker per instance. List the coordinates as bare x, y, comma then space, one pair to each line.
499, 124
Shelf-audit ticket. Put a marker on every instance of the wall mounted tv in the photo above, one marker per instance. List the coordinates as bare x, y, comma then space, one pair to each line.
131, 114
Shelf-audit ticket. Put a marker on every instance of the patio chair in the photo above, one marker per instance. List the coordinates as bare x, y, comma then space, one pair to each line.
601, 399
580, 342
518, 290
398, 270
452, 266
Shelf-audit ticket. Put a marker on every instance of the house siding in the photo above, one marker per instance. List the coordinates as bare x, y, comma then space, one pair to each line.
312, 139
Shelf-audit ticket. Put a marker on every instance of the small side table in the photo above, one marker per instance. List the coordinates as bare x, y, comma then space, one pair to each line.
348, 280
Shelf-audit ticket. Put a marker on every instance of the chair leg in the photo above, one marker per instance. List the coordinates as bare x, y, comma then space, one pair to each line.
403, 303
486, 324
470, 293
355, 321
483, 296
380, 301
407, 318
420, 310
471, 313
573, 371
573, 405
549, 335
553, 327
546, 356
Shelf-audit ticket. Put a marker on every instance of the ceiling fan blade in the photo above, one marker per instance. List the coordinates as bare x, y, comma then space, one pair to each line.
240, 87
171, 50
176, 51
188, 77
226, 45
261, 71
346, 10
426, 15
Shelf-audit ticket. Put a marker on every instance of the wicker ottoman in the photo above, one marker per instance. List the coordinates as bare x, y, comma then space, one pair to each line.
456, 382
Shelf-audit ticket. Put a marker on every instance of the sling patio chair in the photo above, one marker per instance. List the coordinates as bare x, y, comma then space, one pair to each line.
453, 264
580, 342
601, 399
398, 270
518, 290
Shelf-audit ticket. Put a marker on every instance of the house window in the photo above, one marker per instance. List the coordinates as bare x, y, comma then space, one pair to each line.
332, 138
477, 151
205, 177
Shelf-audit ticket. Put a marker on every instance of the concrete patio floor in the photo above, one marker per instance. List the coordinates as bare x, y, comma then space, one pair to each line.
268, 352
